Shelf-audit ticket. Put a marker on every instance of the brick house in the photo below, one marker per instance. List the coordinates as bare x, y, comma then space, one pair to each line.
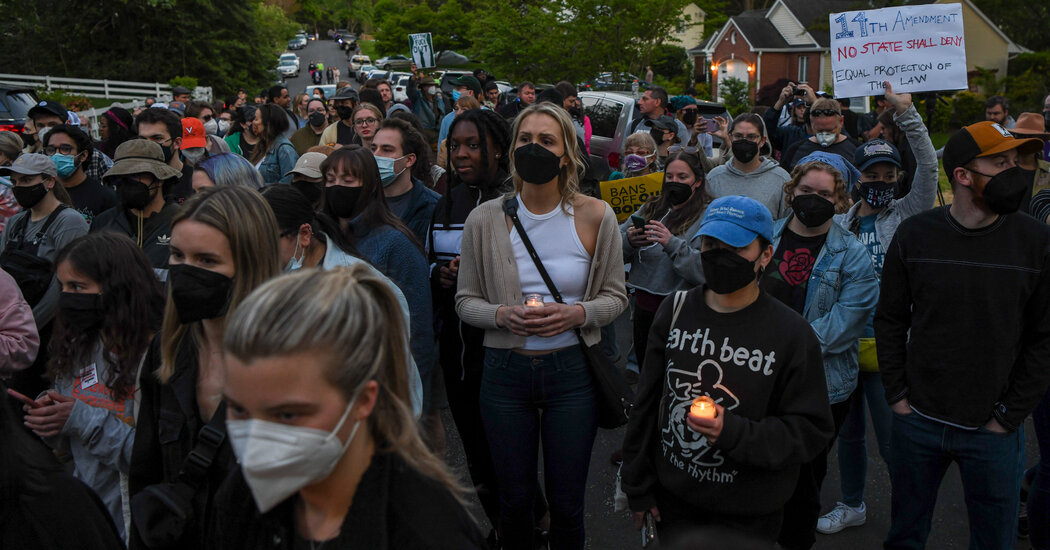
791, 40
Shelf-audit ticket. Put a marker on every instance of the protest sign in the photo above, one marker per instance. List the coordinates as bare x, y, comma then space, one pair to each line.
916, 48
627, 196
422, 49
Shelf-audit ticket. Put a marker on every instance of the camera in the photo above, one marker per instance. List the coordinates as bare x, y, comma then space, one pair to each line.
796, 91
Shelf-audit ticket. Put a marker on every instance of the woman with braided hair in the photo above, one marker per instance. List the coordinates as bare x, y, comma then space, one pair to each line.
477, 151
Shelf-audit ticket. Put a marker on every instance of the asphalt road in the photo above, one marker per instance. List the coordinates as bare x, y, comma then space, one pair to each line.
608, 530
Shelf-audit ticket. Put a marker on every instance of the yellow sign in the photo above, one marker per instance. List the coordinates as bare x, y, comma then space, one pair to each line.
627, 196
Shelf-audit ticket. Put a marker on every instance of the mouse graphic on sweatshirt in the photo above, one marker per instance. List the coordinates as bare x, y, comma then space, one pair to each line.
682, 387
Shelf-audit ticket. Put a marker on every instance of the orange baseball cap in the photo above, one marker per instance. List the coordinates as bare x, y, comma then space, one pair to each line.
193, 133
982, 140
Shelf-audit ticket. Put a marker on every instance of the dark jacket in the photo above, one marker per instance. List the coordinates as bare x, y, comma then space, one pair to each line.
66, 514
419, 209
165, 433
394, 507
461, 344
157, 238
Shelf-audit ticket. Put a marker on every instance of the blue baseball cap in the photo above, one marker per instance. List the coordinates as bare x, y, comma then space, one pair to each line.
874, 151
737, 220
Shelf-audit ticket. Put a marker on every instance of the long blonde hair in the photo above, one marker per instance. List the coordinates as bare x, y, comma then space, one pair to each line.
352, 317
569, 178
244, 217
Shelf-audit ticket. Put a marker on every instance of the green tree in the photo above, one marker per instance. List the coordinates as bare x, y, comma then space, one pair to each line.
449, 26
735, 95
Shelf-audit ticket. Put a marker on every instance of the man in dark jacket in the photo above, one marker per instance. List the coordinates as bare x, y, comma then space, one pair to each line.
963, 332
407, 197
141, 178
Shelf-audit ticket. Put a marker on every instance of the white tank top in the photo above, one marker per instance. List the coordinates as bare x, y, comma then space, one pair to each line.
554, 236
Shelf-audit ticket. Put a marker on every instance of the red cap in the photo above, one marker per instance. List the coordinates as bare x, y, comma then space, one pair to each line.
193, 133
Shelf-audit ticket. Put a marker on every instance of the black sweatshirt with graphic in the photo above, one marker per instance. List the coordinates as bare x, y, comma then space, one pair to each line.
963, 323
763, 364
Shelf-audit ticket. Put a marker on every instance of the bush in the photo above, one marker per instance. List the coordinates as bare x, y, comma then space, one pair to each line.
736, 95
69, 101
186, 81
670, 62
967, 108
703, 91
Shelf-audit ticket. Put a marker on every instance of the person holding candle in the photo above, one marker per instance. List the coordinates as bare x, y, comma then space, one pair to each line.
536, 382
732, 398
320, 418
963, 332
826, 275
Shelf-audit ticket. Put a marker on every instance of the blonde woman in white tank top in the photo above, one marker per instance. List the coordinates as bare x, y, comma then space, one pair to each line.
536, 383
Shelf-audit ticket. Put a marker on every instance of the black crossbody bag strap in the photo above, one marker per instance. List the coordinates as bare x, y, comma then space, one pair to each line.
209, 440
510, 207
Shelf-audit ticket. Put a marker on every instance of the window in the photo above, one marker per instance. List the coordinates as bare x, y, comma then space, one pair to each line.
604, 115
803, 68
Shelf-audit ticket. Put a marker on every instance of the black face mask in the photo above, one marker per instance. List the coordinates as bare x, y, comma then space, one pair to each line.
341, 200
812, 209
725, 271
317, 119
134, 194
676, 192
198, 293
311, 190
30, 196
576, 112
535, 163
1005, 191
744, 150
169, 151
689, 118
344, 112
878, 194
1046, 121
29, 139
83, 312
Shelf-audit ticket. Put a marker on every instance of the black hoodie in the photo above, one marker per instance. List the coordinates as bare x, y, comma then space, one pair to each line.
764, 365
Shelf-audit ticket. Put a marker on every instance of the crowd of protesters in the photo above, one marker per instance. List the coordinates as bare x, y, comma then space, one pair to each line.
236, 324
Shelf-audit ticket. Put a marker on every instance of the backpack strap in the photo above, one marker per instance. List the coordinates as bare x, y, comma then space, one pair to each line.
679, 301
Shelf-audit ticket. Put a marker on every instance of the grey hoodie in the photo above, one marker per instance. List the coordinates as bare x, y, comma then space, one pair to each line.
765, 184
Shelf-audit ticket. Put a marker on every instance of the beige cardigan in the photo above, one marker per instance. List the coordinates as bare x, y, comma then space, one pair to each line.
488, 276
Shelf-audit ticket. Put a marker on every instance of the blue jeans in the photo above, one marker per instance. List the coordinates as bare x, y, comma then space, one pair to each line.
525, 398
853, 453
990, 465
1039, 494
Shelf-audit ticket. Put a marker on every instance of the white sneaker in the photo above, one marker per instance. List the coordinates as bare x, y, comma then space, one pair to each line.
841, 517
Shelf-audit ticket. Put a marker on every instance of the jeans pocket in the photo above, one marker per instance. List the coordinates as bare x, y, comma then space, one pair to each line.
496, 359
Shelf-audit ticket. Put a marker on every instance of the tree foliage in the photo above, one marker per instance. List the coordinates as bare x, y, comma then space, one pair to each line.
145, 40
735, 95
449, 25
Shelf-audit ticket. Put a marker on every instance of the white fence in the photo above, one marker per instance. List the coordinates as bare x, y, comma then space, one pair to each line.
110, 89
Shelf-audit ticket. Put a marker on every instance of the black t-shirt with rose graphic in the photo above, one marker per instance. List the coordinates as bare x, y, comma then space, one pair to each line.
787, 276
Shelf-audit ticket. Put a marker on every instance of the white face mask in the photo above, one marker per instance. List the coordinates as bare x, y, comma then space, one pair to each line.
825, 139
295, 264
277, 460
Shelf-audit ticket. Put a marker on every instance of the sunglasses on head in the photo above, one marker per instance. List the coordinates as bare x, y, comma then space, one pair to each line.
824, 112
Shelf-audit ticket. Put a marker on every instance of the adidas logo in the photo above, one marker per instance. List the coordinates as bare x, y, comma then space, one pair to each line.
164, 240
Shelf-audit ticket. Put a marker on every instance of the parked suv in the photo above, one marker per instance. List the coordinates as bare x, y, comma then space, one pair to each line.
356, 62
14, 106
613, 113
394, 62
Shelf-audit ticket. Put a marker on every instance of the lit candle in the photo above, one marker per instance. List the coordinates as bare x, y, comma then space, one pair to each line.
703, 407
533, 300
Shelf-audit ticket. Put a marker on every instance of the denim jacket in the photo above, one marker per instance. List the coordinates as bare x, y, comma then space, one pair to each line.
277, 165
840, 297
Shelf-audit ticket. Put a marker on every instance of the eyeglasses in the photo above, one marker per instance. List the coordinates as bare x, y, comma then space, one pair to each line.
365, 122
65, 149
824, 112
749, 137
206, 118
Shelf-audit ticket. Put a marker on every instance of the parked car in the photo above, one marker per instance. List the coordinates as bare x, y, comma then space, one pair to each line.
328, 89
399, 84
15, 104
449, 76
394, 62
291, 57
613, 113
362, 73
338, 33
293, 44
303, 40
381, 74
356, 62
288, 68
614, 81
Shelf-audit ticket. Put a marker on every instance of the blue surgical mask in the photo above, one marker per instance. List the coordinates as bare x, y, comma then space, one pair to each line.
295, 264
456, 95
65, 164
386, 169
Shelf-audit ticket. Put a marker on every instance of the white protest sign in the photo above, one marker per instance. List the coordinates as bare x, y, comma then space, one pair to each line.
916, 48
422, 49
